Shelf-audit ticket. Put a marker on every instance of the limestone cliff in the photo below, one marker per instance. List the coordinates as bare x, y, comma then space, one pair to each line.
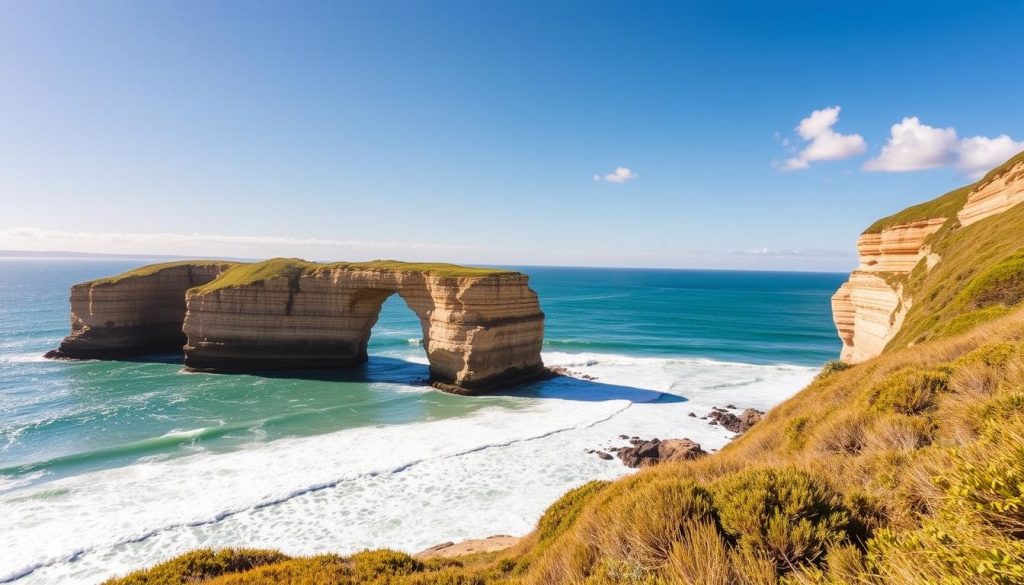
898, 252
477, 330
481, 328
135, 313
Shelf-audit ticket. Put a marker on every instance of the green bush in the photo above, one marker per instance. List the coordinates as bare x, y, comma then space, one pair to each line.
908, 391
200, 565
785, 515
832, 367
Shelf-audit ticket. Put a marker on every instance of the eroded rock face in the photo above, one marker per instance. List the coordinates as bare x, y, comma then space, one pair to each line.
134, 315
477, 331
868, 311
994, 196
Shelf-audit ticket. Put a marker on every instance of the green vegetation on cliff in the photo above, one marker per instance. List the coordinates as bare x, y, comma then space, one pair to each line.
152, 269
243, 273
293, 268
979, 276
945, 206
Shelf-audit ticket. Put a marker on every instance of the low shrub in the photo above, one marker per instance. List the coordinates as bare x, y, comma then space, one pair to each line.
200, 565
908, 391
785, 515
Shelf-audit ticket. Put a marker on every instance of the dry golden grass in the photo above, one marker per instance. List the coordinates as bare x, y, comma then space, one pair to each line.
908, 468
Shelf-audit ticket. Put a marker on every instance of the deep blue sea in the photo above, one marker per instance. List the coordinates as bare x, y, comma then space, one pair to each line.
110, 466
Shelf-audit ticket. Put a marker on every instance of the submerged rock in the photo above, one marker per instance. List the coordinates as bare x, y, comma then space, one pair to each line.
647, 453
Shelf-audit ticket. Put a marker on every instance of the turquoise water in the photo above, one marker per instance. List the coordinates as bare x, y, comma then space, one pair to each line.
677, 335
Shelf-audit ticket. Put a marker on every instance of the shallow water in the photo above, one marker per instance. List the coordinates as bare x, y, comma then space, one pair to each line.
110, 466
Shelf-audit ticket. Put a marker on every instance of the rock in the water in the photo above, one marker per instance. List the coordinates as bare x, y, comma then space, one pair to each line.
481, 328
604, 455
647, 453
734, 423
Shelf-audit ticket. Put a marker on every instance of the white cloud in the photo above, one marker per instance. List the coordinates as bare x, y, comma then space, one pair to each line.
913, 146
619, 175
823, 143
979, 154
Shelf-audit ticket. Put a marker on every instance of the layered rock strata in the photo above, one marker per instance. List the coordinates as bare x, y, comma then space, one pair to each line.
477, 330
870, 308
994, 195
480, 330
867, 309
134, 314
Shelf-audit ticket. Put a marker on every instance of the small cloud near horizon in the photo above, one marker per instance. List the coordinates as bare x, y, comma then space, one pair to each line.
823, 143
619, 175
914, 146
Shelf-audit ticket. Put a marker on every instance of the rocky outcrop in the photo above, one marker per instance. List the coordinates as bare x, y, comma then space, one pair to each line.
478, 331
647, 453
480, 328
994, 194
136, 313
869, 308
736, 423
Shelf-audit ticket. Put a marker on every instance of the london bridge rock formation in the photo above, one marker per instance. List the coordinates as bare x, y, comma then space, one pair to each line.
481, 327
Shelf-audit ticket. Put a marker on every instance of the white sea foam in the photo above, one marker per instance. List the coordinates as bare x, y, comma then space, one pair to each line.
403, 486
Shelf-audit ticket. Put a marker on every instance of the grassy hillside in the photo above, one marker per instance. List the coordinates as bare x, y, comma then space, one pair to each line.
905, 469
981, 272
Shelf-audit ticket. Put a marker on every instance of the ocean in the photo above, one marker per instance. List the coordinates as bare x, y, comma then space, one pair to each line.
111, 466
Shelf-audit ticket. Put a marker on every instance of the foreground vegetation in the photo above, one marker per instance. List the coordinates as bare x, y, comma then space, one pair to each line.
905, 469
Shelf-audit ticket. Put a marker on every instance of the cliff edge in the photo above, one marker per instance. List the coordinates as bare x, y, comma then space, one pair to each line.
900, 292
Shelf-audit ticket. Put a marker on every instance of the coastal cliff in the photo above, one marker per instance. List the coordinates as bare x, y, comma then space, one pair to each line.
897, 253
478, 329
135, 313
481, 327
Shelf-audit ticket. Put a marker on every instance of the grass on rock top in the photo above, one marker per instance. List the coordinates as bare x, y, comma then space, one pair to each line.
241, 274
293, 268
151, 269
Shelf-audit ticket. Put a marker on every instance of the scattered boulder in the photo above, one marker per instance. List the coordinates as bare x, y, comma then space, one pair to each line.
604, 455
647, 453
735, 423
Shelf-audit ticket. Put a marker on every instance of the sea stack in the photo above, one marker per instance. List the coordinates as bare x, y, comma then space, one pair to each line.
482, 328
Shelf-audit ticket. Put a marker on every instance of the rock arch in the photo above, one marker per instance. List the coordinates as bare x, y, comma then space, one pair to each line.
480, 328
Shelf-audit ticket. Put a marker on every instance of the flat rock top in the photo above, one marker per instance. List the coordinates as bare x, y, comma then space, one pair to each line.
457, 549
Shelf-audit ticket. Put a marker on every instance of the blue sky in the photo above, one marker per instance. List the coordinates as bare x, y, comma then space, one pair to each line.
482, 131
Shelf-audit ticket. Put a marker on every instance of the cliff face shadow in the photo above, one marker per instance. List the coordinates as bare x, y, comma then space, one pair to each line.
569, 388
389, 370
